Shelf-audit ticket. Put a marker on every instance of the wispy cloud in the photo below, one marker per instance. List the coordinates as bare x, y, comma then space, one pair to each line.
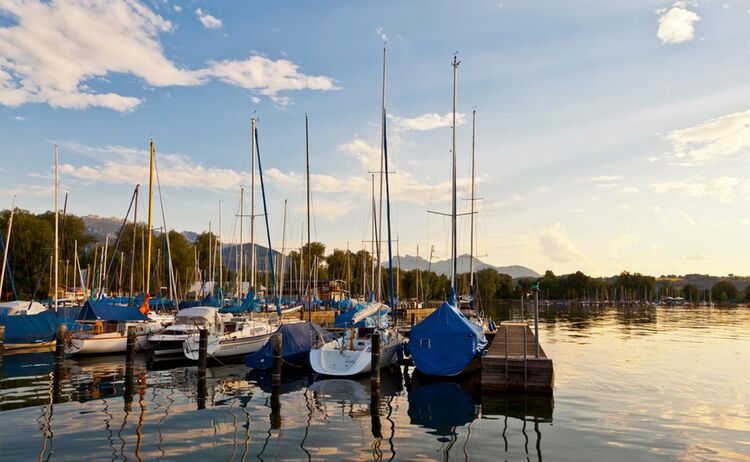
600, 179
429, 121
716, 139
53, 48
723, 188
677, 24
558, 247
208, 21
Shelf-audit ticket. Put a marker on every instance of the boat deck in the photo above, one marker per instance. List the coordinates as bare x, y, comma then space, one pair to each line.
511, 362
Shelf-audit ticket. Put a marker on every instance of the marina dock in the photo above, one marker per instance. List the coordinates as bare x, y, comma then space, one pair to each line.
511, 362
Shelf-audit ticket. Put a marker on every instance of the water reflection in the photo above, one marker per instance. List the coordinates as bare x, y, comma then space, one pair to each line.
631, 385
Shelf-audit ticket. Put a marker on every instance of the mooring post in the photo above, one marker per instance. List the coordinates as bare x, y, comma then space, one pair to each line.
277, 359
202, 353
202, 393
375, 363
2, 342
130, 350
536, 320
377, 428
62, 330
413, 319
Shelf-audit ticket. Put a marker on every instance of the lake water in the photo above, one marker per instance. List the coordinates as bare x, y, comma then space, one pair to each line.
631, 384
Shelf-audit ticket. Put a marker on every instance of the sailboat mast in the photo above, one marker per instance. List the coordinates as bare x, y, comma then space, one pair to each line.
147, 269
132, 252
252, 209
57, 225
454, 264
282, 265
240, 275
7, 243
309, 249
379, 232
473, 198
374, 243
220, 245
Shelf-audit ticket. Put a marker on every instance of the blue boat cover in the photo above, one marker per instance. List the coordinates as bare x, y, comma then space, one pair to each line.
441, 407
297, 340
445, 342
37, 328
31, 328
97, 311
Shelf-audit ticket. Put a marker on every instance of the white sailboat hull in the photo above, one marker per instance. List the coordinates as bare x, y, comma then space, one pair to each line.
224, 347
111, 342
331, 359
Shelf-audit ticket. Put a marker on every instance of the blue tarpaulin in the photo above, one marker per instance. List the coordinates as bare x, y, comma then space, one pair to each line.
296, 342
37, 328
445, 342
97, 311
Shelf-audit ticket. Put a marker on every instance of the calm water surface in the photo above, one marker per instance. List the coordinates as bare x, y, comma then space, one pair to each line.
631, 384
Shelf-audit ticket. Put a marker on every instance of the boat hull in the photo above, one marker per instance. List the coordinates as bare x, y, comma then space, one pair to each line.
334, 361
109, 343
224, 348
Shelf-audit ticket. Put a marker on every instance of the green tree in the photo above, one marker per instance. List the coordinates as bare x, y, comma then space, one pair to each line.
724, 291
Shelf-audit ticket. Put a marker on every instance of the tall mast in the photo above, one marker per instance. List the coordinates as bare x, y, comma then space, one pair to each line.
252, 208
240, 273
7, 243
473, 198
374, 239
454, 264
132, 253
57, 225
147, 268
379, 232
283, 255
309, 249
221, 245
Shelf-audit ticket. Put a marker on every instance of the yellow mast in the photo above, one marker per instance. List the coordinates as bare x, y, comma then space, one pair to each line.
144, 308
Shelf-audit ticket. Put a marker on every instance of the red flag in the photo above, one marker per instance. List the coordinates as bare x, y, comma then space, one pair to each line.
144, 307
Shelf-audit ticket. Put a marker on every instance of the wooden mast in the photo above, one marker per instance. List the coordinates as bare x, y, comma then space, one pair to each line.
144, 308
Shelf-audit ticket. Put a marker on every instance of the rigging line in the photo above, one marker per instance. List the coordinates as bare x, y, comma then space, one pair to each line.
117, 246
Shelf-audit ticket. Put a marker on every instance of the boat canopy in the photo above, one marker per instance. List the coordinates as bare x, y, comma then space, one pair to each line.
362, 319
206, 312
297, 340
97, 311
445, 342
30, 328
21, 307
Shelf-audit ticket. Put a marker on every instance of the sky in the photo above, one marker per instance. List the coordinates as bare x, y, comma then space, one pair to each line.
610, 136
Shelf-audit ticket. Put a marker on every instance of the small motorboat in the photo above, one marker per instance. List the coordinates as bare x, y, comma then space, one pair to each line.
236, 337
167, 343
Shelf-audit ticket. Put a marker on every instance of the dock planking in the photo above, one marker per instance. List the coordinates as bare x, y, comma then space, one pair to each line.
511, 363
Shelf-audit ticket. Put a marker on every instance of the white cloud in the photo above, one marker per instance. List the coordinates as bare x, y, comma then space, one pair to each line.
657, 249
624, 240
718, 138
366, 154
429, 121
124, 165
255, 99
677, 25
381, 34
177, 8
208, 21
723, 188
608, 179
557, 246
686, 218
267, 76
319, 183
53, 49
630, 190
20, 118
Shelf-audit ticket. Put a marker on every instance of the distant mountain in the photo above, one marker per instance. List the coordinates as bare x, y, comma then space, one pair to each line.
101, 227
409, 262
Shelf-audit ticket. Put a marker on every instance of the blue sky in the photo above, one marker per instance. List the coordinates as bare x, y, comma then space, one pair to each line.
611, 135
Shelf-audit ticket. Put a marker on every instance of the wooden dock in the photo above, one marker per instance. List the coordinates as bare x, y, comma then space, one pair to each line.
511, 362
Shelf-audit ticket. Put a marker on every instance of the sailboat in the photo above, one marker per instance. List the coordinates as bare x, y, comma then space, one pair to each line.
239, 336
446, 342
351, 353
105, 326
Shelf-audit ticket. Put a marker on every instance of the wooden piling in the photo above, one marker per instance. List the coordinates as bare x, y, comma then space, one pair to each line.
130, 349
413, 319
202, 354
277, 358
375, 362
62, 330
